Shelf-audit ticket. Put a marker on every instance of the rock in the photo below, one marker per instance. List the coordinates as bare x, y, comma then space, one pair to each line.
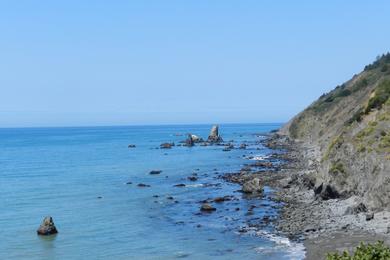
242, 146
192, 178
222, 199
47, 227
207, 207
326, 192
226, 149
189, 142
196, 139
356, 209
214, 135
369, 216
142, 185
131, 146
179, 185
262, 164
129, 182
155, 172
166, 145
252, 186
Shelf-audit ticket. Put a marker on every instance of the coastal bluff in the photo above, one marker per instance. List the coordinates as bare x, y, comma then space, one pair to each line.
345, 137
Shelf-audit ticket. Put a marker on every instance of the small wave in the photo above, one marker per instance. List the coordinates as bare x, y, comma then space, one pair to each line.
295, 250
259, 157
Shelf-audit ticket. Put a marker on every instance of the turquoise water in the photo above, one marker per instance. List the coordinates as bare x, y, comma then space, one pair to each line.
79, 176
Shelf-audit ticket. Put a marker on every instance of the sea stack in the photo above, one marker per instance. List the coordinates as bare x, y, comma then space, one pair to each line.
214, 135
47, 227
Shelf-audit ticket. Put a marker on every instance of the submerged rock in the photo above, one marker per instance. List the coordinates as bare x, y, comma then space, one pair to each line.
142, 185
47, 227
207, 207
166, 145
252, 186
131, 146
214, 135
155, 172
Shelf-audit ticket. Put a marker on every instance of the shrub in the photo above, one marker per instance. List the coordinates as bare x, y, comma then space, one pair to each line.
377, 251
381, 95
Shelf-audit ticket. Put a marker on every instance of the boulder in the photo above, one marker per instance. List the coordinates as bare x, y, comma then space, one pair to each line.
131, 146
196, 139
214, 135
326, 192
154, 172
252, 186
47, 227
189, 142
242, 146
207, 207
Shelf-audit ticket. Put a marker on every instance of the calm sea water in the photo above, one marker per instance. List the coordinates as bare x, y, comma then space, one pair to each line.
62, 172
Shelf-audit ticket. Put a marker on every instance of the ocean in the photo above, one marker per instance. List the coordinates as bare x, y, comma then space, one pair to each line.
87, 179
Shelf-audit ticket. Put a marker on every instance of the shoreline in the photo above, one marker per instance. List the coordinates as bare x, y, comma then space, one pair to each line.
323, 226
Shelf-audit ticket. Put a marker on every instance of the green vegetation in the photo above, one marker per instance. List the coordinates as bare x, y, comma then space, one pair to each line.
336, 143
380, 62
381, 95
377, 251
337, 168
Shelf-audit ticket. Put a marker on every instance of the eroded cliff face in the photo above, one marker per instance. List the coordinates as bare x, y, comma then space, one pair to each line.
346, 134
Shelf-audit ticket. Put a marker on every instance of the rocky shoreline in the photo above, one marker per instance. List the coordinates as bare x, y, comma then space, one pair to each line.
322, 220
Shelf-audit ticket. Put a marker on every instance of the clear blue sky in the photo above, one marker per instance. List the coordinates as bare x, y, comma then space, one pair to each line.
77, 62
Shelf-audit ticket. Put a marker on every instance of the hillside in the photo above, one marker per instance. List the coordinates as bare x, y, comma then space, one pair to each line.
346, 136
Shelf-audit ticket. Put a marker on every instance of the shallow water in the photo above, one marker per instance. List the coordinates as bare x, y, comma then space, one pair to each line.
62, 172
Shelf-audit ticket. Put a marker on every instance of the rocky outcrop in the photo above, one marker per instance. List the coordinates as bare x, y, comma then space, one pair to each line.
47, 227
214, 136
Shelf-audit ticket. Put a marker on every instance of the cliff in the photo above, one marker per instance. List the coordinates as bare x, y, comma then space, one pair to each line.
346, 137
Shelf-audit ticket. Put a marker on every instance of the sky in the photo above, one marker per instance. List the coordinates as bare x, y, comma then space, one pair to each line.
81, 63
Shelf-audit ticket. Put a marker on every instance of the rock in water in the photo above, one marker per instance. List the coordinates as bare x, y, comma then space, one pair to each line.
252, 186
214, 135
155, 172
207, 207
167, 145
47, 227
189, 141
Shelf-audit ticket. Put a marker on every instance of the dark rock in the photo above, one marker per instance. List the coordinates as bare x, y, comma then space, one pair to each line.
189, 141
207, 207
179, 185
222, 199
142, 185
154, 172
170, 198
262, 164
369, 216
167, 145
131, 146
47, 227
192, 178
226, 149
326, 192
129, 182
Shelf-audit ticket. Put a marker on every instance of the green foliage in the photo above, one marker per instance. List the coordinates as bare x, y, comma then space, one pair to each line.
357, 116
337, 168
380, 61
381, 95
377, 251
